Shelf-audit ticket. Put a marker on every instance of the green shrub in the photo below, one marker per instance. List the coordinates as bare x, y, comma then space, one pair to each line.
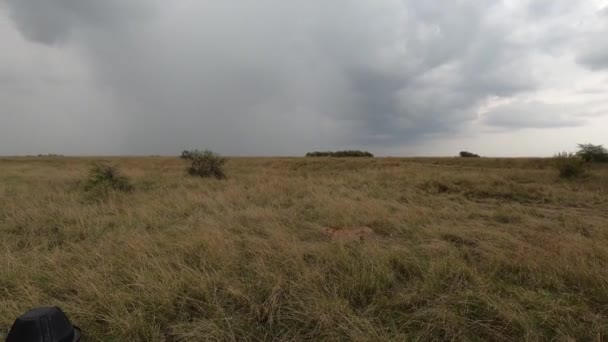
205, 164
592, 153
107, 176
569, 165
348, 153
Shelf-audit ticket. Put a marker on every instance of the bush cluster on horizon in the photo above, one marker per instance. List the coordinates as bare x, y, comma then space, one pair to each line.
205, 163
348, 153
573, 165
592, 153
466, 154
50, 155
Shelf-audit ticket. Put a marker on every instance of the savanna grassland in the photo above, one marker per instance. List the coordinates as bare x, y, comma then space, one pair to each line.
463, 249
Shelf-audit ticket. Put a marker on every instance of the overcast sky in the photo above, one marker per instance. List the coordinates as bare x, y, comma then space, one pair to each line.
277, 77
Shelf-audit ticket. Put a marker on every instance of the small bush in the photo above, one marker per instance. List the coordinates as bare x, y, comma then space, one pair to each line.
569, 165
107, 176
465, 154
592, 153
349, 153
188, 155
205, 164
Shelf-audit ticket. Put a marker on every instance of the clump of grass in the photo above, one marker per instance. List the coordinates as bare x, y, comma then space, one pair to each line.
205, 164
506, 217
569, 165
107, 176
436, 187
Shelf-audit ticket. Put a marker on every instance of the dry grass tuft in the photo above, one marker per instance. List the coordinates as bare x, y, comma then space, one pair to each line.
462, 249
349, 234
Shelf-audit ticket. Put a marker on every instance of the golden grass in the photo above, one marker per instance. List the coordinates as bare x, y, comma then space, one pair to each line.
475, 249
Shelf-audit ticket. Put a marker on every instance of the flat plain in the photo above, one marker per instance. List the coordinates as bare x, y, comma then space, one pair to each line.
462, 249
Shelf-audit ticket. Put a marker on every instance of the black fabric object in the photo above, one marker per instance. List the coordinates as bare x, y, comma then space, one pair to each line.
48, 324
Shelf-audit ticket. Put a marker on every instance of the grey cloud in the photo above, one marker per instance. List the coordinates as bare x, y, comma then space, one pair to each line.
596, 57
597, 108
51, 22
548, 8
594, 54
284, 77
520, 115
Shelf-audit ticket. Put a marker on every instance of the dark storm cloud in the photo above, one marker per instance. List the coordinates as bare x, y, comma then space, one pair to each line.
284, 77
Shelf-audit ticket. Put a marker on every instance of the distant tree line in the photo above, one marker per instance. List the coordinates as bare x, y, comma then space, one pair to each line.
50, 155
465, 154
349, 153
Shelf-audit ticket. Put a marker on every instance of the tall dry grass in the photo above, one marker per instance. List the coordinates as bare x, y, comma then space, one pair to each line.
463, 250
